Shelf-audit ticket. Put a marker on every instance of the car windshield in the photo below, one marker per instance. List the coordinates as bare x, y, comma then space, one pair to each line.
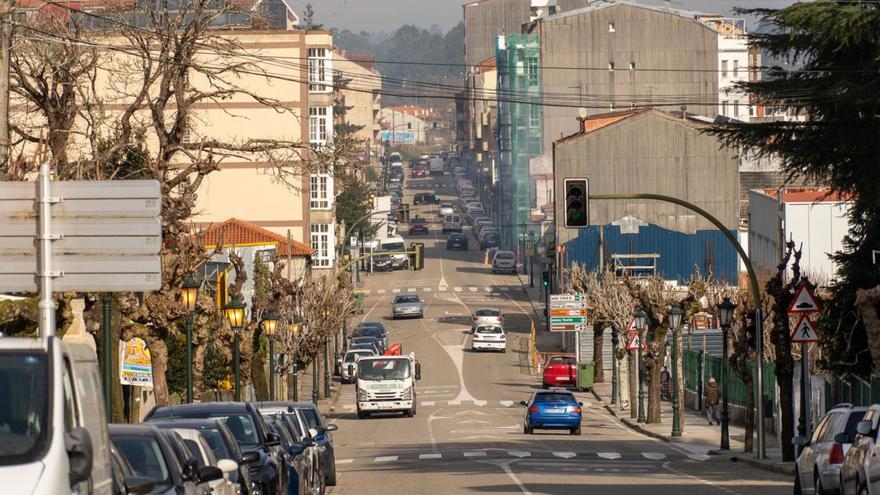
145, 457
489, 329
562, 360
384, 369
351, 356
406, 299
393, 246
367, 332
504, 256
488, 312
24, 407
242, 428
311, 418
554, 397
218, 446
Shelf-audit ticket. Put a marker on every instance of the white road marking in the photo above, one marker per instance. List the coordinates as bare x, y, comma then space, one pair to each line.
505, 466
380, 291
411, 289
430, 456
699, 457
396, 291
344, 461
387, 458
565, 455
476, 453
427, 403
654, 456
472, 289
608, 455
442, 288
519, 453
427, 289
487, 289
506, 403
457, 289
474, 422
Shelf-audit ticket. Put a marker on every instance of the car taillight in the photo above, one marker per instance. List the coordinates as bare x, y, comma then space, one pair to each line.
836, 454
477, 336
475, 318
502, 337
533, 409
574, 409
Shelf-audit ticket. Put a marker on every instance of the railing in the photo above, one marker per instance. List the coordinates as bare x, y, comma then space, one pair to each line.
852, 389
698, 368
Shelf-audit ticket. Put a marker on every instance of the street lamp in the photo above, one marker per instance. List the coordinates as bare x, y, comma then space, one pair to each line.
725, 318
674, 315
270, 326
295, 328
641, 321
615, 367
189, 295
235, 314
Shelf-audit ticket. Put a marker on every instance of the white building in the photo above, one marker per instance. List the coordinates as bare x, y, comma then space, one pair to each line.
736, 63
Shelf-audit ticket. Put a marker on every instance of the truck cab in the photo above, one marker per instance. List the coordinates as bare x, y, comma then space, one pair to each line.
386, 384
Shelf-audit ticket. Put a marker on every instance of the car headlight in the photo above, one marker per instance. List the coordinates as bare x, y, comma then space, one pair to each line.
407, 394
362, 394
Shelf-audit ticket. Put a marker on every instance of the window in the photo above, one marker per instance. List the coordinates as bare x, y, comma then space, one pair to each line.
535, 116
735, 68
610, 66
320, 191
532, 70
724, 68
632, 66
736, 109
318, 125
321, 245
265, 255
611, 27
319, 80
724, 107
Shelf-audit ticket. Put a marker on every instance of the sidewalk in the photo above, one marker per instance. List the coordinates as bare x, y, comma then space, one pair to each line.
697, 435
545, 341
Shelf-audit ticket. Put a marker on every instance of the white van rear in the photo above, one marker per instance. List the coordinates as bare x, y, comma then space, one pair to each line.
395, 243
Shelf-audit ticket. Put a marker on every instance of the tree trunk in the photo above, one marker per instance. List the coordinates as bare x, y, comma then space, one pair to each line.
679, 383
632, 363
653, 366
258, 370
598, 339
750, 413
159, 354
623, 374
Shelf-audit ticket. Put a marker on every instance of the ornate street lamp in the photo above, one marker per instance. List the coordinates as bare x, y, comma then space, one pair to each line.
235, 314
270, 326
674, 315
295, 328
725, 318
641, 321
189, 295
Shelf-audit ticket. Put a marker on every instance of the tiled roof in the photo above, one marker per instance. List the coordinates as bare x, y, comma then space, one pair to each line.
235, 232
809, 195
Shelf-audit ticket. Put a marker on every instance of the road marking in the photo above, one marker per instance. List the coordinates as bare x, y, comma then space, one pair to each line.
699, 457
396, 291
427, 289
387, 458
344, 461
519, 453
380, 291
472, 289
565, 455
478, 453
506, 403
609, 455
457, 289
443, 288
479, 403
427, 403
505, 466
487, 289
654, 456
411, 289
430, 456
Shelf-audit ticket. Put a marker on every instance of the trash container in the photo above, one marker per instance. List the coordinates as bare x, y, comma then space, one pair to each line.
585, 374
359, 301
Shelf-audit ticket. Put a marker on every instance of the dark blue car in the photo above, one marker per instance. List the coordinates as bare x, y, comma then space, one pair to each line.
553, 410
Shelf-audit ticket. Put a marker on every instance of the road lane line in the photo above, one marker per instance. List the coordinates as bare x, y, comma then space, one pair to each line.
519, 453
472, 289
344, 461
396, 290
609, 455
387, 458
505, 466
457, 289
475, 453
411, 289
565, 455
668, 466
430, 456
506, 403
654, 456
427, 403
380, 291
699, 457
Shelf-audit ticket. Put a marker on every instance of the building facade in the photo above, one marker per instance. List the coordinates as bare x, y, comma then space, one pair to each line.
361, 95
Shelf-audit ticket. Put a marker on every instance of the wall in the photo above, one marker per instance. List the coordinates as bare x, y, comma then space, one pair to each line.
360, 97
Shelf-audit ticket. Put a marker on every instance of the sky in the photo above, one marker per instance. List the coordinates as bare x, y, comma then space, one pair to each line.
387, 15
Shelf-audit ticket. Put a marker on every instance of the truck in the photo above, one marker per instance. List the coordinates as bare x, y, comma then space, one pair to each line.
386, 384
436, 166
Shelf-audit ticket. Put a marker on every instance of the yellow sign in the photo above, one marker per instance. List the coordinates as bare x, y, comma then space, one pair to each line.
568, 312
135, 363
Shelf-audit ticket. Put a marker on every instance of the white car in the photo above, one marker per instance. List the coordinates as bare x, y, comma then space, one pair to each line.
446, 209
351, 357
489, 338
504, 261
200, 448
486, 316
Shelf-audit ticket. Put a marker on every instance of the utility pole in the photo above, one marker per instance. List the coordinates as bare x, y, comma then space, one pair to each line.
6, 7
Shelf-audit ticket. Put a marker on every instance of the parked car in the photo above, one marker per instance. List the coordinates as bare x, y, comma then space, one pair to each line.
321, 434
125, 480
504, 261
304, 478
818, 466
373, 347
418, 225
221, 441
560, 369
199, 450
371, 329
489, 338
446, 209
456, 241
552, 410
860, 465
150, 454
251, 433
304, 442
350, 358
489, 239
486, 316
426, 199
407, 306
378, 341
451, 223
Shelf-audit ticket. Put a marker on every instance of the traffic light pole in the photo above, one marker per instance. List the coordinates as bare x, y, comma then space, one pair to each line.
754, 289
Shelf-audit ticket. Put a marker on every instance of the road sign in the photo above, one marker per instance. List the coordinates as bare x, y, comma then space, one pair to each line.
569, 305
567, 328
635, 342
804, 331
632, 326
804, 301
568, 320
84, 273
554, 298
568, 312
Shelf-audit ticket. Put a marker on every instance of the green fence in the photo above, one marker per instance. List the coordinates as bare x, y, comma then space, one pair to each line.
855, 390
698, 368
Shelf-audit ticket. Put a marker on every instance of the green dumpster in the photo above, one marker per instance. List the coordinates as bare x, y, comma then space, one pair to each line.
585, 374
359, 300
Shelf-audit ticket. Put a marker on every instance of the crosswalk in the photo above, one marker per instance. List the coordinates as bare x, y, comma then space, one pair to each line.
500, 404
444, 288
487, 454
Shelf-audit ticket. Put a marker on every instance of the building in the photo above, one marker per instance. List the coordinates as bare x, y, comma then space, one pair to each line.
814, 218
401, 125
361, 95
650, 151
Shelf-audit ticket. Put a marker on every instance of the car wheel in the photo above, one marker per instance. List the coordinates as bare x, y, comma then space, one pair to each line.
576, 431
527, 430
817, 484
363, 415
862, 488
331, 477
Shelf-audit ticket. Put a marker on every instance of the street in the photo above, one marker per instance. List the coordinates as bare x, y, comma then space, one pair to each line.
467, 436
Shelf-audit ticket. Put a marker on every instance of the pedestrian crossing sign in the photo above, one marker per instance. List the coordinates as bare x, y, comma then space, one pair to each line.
635, 342
804, 331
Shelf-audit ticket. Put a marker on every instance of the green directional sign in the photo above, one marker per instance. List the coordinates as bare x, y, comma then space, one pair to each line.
568, 320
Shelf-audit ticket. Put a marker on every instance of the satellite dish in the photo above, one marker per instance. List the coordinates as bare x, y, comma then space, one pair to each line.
582, 112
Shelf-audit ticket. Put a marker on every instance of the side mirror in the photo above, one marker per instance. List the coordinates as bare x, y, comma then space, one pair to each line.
272, 439
227, 465
523, 403
191, 469
250, 457
800, 441
842, 437
863, 428
418, 371
580, 403
205, 474
80, 454
350, 370
139, 485
331, 428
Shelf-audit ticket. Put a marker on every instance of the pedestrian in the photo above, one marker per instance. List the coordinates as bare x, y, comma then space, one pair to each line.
665, 389
712, 399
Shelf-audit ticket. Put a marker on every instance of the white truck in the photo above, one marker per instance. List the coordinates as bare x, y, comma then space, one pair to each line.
386, 384
436, 166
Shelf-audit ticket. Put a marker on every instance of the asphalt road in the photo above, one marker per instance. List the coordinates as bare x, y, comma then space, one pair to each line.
467, 436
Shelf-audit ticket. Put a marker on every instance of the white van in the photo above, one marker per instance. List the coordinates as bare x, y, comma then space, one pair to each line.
395, 243
52, 423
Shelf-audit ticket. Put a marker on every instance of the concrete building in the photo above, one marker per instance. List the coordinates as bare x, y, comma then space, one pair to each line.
362, 94
815, 218
650, 151
400, 126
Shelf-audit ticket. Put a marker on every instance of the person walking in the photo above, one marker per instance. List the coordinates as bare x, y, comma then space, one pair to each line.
713, 396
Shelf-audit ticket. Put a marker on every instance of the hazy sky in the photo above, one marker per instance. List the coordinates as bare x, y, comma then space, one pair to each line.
387, 15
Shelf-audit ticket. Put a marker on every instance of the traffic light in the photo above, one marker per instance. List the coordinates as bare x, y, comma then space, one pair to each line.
545, 279
405, 215
751, 329
417, 259
577, 206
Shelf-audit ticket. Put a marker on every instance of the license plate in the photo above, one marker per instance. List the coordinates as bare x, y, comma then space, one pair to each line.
561, 378
555, 410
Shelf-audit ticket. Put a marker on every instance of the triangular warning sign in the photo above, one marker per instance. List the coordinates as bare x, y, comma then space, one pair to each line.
804, 301
632, 326
804, 331
634, 342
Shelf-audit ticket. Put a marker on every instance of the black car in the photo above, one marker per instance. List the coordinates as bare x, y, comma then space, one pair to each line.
426, 199
150, 454
382, 262
249, 430
321, 435
367, 329
418, 225
312, 469
222, 443
490, 240
125, 480
379, 341
456, 240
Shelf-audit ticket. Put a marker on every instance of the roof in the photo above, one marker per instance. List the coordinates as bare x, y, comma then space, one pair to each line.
187, 410
238, 233
595, 122
604, 4
809, 195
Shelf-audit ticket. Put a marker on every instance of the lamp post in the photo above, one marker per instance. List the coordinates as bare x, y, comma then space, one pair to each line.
641, 320
674, 314
326, 368
725, 317
270, 326
235, 314
294, 375
189, 294
615, 376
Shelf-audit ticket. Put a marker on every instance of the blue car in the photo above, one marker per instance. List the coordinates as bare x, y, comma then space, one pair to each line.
553, 410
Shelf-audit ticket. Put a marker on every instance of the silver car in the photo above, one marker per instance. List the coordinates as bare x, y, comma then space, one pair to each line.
407, 306
351, 357
504, 261
860, 471
486, 316
818, 468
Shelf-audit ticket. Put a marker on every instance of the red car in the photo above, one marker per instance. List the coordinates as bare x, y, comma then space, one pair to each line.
418, 226
560, 370
420, 172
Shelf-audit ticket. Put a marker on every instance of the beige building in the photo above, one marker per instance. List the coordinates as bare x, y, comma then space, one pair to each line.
362, 94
